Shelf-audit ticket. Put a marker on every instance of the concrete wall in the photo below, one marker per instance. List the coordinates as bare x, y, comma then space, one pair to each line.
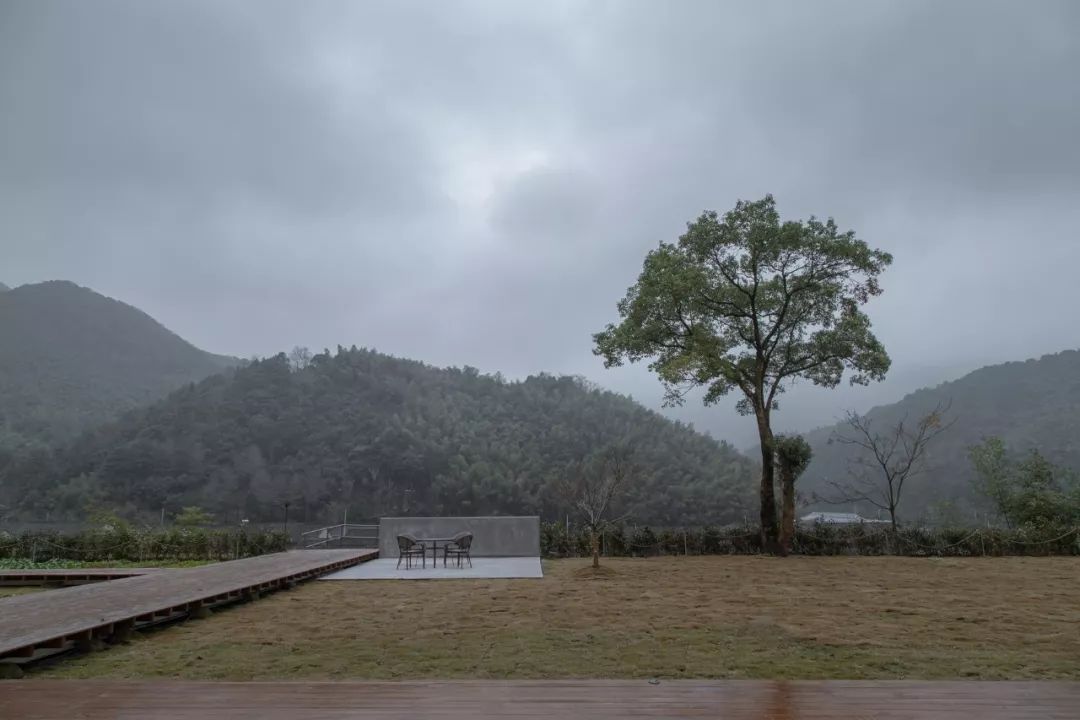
492, 536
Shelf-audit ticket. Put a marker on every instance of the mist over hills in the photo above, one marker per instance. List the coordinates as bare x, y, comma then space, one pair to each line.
1030, 404
71, 358
355, 429
101, 405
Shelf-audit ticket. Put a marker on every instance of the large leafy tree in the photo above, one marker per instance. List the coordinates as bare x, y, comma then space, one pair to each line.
749, 303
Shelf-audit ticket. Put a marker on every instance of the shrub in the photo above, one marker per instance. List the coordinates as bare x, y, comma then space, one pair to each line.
818, 540
114, 542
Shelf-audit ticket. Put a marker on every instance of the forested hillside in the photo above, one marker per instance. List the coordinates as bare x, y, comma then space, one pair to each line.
71, 358
1033, 404
382, 435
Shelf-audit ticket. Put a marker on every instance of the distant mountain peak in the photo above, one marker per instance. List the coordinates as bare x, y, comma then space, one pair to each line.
71, 358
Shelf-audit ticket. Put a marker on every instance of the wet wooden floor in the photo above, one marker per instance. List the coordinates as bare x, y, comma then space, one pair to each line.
78, 576
727, 700
39, 623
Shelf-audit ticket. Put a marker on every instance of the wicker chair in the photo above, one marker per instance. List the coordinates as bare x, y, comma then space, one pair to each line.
408, 548
460, 547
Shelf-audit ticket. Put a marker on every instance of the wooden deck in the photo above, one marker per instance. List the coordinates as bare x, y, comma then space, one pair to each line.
729, 700
68, 577
43, 623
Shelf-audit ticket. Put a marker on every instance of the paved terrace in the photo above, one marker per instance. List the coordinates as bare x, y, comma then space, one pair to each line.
41, 623
730, 700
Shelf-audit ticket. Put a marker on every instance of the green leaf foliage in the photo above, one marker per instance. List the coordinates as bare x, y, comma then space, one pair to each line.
793, 455
1032, 492
748, 302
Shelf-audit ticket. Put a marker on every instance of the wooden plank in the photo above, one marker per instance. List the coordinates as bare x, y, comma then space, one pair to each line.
10, 578
79, 572
601, 699
28, 620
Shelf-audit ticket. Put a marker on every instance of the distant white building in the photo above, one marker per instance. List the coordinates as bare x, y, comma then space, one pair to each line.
837, 518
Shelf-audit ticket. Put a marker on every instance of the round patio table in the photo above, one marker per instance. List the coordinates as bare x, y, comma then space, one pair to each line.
435, 547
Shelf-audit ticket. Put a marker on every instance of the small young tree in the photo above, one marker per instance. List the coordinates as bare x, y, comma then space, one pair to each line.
193, 516
1033, 493
593, 485
749, 303
793, 455
993, 474
885, 462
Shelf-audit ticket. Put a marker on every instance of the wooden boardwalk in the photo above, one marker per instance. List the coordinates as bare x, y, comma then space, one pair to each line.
42, 623
602, 699
79, 576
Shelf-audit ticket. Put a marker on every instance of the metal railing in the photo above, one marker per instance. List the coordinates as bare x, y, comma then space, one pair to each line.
340, 535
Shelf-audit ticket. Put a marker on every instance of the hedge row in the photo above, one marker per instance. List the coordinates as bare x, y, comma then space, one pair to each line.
556, 540
141, 545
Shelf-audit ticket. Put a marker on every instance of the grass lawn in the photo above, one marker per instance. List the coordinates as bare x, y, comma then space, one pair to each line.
675, 617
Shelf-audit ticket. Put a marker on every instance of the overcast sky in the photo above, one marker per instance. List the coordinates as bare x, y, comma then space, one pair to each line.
478, 183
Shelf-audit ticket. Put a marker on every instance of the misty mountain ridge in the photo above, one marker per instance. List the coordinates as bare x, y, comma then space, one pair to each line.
381, 435
360, 428
1031, 404
71, 358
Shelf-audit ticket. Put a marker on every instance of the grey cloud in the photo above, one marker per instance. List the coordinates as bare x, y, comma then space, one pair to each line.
477, 182
197, 105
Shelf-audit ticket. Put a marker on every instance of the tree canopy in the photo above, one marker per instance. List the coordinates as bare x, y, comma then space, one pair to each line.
1031, 493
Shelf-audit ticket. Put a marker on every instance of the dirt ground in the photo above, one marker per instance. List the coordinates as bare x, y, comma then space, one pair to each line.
673, 617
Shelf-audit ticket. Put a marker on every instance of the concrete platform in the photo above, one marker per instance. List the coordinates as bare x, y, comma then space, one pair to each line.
486, 567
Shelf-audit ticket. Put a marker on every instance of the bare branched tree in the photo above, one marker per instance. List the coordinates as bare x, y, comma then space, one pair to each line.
299, 358
887, 461
592, 485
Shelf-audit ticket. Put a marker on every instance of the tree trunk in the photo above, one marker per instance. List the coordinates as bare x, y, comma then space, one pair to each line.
787, 511
595, 549
895, 535
767, 493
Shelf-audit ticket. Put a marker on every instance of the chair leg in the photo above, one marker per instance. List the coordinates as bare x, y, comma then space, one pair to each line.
468, 556
398, 562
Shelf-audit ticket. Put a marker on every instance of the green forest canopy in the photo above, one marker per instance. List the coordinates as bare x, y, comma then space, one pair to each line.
379, 435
